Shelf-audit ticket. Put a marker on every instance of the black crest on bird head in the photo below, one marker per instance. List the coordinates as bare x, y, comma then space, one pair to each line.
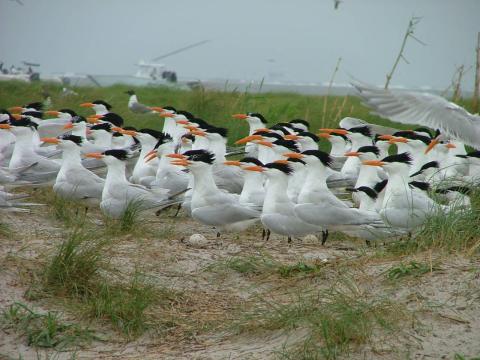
269, 135
169, 108
296, 160
258, 115
113, 118
251, 160
118, 153
320, 155
380, 186
430, 164
404, 157
68, 111
344, 137
420, 185
218, 130
34, 105
104, 103
202, 124
187, 114
131, 128
152, 132
5, 111
364, 130
78, 119
162, 139
73, 138
310, 135
281, 128
369, 191
285, 168
423, 130
301, 121
130, 92
102, 126
369, 149
289, 144
35, 114
25, 122
200, 155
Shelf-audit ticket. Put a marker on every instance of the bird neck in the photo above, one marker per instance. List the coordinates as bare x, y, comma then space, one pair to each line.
71, 157
219, 149
169, 126
367, 175
133, 100
201, 142
203, 180
316, 177
116, 173
103, 138
276, 192
252, 182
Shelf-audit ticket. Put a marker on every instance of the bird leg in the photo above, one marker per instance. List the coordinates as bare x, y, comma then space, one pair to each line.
178, 210
268, 235
289, 239
218, 234
263, 234
324, 236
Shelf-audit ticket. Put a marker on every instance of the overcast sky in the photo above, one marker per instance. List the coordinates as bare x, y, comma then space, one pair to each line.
297, 40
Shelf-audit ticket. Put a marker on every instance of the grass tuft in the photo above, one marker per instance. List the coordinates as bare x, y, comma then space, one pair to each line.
123, 305
128, 223
44, 330
75, 266
337, 319
413, 268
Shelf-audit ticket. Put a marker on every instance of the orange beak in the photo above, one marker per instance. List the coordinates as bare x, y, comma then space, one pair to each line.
240, 116
183, 162
176, 156
129, 132
95, 155
182, 122
17, 116
386, 137
68, 126
254, 168
233, 163
157, 109
291, 137
248, 139
190, 127
263, 129
394, 140
294, 155
324, 135
150, 156
5, 126
50, 140
265, 143
431, 145
373, 162
87, 104
352, 153
16, 109
166, 114
150, 153
281, 162
335, 131
451, 146
198, 132
53, 113
117, 129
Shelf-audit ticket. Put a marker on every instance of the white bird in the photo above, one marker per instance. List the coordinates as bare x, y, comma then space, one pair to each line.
425, 109
136, 107
74, 181
278, 213
210, 205
119, 195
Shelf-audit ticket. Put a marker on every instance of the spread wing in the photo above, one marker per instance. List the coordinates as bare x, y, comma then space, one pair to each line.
423, 109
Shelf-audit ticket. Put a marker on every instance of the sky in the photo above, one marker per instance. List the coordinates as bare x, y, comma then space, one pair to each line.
280, 40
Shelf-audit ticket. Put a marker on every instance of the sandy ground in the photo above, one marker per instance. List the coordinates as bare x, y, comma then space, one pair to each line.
444, 304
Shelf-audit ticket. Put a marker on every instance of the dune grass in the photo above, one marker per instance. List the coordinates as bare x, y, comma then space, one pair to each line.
45, 330
335, 320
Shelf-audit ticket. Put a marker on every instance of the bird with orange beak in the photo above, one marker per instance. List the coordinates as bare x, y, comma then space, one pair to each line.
99, 106
210, 205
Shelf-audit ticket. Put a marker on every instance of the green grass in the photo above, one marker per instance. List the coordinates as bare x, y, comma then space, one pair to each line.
44, 329
299, 268
128, 223
215, 107
412, 268
75, 265
123, 305
337, 320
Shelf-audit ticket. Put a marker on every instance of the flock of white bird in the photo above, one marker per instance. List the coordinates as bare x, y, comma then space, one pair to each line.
283, 180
